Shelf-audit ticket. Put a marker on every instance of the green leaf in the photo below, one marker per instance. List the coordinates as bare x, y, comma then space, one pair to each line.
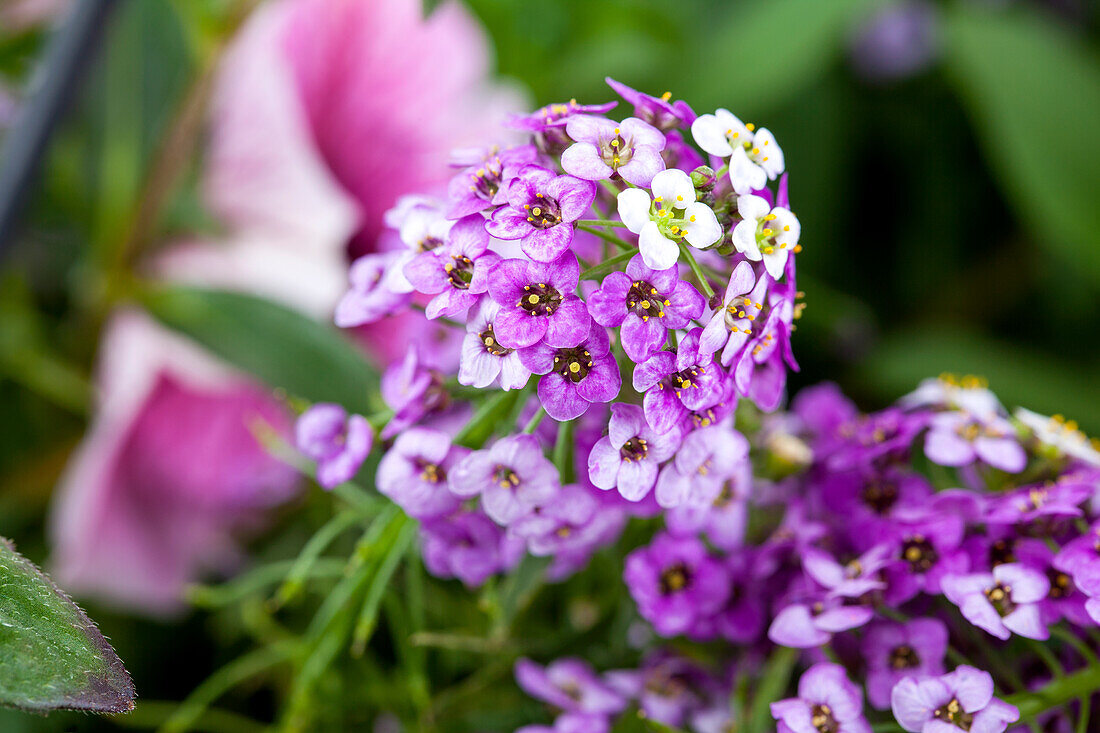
280, 346
1032, 89
761, 73
52, 656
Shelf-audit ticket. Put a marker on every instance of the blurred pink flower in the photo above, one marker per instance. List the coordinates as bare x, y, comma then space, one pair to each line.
169, 468
324, 113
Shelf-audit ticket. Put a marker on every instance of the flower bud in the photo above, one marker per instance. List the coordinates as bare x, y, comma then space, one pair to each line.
703, 178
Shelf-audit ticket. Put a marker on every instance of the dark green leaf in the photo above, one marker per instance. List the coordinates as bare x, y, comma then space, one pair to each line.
52, 656
761, 73
1033, 90
280, 346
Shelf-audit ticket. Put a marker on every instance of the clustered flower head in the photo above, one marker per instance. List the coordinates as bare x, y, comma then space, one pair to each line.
620, 321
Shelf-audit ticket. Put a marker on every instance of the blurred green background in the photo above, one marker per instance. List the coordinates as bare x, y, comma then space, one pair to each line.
950, 208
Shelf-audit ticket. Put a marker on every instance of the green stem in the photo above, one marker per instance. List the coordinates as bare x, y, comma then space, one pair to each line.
696, 270
563, 451
606, 267
535, 420
606, 236
602, 223
1048, 657
1078, 644
295, 580
1058, 692
1084, 713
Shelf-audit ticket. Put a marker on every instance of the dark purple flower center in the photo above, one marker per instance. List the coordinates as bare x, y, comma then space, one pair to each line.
919, 553
1000, 596
635, 449
489, 341
573, 364
643, 299
505, 477
725, 496
953, 713
879, 495
460, 272
1060, 584
904, 657
544, 213
675, 578
540, 299
822, 718
1002, 552
485, 181
571, 689
433, 473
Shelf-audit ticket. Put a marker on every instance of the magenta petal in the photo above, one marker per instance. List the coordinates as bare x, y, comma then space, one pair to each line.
425, 272
794, 627
515, 328
547, 245
569, 325
560, 399
642, 338
583, 161
508, 223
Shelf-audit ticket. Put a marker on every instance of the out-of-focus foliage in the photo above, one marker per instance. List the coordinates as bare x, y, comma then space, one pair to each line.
949, 222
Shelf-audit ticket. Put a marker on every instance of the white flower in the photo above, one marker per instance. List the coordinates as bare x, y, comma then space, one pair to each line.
968, 393
1062, 434
754, 155
673, 214
766, 233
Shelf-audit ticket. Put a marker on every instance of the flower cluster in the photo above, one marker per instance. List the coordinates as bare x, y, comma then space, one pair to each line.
600, 274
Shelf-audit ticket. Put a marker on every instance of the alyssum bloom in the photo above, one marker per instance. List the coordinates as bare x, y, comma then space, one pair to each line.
541, 210
537, 301
337, 441
754, 156
631, 149
766, 232
670, 216
961, 700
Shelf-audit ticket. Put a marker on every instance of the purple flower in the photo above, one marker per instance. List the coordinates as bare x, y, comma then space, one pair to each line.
570, 685
541, 210
413, 473
668, 687
729, 329
676, 383
483, 184
369, 298
696, 475
456, 274
571, 526
1061, 499
628, 456
575, 376
1081, 555
803, 625
512, 477
630, 148
657, 111
337, 441
962, 699
850, 580
870, 437
895, 650
896, 41
469, 546
929, 549
483, 358
724, 520
743, 617
827, 701
958, 439
646, 303
675, 583
537, 301
548, 123
412, 391
1002, 602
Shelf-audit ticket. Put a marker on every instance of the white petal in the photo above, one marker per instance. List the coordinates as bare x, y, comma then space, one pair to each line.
394, 278
744, 239
752, 207
710, 135
657, 251
674, 188
733, 128
745, 176
634, 208
770, 156
775, 262
701, 225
